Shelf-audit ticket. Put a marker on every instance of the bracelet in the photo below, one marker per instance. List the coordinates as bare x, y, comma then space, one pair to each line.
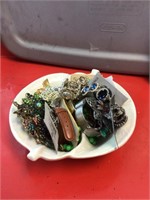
66, 123
80, 116
87, 115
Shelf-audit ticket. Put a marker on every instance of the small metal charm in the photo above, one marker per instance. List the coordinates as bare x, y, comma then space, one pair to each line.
92, 102
103, 94
119, 116
70, 90
82, 81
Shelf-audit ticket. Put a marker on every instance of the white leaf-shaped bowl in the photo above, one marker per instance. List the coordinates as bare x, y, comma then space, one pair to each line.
84, 149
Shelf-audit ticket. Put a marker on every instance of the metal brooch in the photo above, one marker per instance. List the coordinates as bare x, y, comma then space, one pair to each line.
119, 116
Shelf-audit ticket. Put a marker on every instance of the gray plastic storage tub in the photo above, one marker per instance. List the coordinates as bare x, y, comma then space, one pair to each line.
111, 36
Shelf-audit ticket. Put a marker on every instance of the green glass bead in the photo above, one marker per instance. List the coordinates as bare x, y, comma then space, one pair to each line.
69, 147
92, 140
25, 100
103, 133
36, 96
38, 104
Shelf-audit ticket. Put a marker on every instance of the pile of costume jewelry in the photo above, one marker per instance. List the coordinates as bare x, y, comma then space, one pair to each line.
58, 116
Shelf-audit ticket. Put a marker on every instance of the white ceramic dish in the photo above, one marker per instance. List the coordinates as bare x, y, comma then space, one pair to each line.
84, 149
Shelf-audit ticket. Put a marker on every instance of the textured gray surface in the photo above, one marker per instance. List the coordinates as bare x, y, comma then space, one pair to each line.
111, 36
